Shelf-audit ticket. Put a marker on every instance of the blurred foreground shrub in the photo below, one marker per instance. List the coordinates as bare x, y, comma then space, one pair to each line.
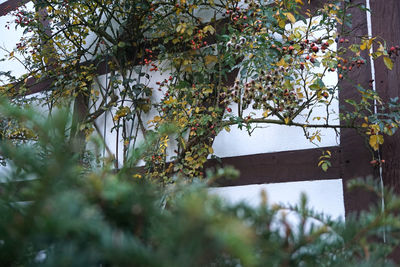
80, 216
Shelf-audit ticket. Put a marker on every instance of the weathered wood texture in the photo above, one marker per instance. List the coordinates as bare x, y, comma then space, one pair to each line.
286, 166
11, 5
386, 24
355, 155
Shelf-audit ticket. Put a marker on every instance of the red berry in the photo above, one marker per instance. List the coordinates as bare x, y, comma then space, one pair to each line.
315, 49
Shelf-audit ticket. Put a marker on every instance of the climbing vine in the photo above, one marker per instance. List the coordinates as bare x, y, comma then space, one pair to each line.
202, 66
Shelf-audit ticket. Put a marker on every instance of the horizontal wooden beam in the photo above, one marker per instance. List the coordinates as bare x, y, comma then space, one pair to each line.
278, 167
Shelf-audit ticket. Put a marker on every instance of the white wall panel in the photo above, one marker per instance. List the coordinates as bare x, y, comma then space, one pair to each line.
323, 195
8, 40
273, 138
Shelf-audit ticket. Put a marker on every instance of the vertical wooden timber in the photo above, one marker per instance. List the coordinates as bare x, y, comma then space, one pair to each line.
355, 156
386, 24
81, 111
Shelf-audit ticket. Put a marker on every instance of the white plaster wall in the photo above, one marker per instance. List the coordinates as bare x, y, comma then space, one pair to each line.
266, 138
273, 138
8, 39
323, 195
269, 138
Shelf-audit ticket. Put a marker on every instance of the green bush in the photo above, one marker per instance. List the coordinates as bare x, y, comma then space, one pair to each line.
80, 216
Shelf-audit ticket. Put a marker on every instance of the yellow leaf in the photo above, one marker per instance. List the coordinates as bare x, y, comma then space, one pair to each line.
287, 120
281, 63
370, 42
137, 176
363, 46
290, 17
373, 142
388, 62
299, 2
210, 59
381, 48
227, 129
210, 150
209, 29
282, 23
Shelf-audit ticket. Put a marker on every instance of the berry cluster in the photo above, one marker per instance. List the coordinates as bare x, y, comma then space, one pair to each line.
22, 19
241, 17
148, 59
394, 51
267, 91
197, 41
164, 83
344, 66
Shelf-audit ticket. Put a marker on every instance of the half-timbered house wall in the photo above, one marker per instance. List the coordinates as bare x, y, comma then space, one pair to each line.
278, 158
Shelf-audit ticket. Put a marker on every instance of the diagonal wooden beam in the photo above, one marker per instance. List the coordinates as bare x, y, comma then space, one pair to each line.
35, 86
11, 5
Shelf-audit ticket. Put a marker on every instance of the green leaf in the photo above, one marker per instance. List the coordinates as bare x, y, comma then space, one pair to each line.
324, 166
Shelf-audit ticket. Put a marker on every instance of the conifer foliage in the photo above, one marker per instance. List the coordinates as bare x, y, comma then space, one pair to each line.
76, 216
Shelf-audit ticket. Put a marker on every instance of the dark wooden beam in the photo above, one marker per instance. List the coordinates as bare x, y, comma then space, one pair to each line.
277, 167
355, 156
36, 86
386, 24
11, 5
